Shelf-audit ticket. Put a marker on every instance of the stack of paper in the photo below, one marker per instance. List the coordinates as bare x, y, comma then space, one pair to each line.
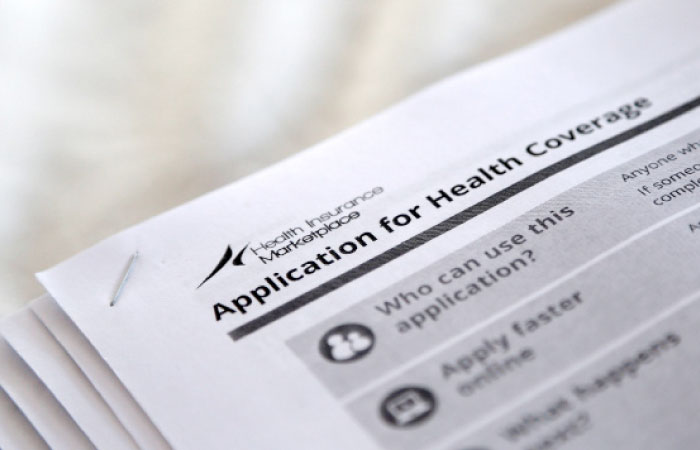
55, 380
505, 260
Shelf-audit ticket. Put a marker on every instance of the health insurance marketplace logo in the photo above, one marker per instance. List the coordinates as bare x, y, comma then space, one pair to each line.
309, 231
228, 256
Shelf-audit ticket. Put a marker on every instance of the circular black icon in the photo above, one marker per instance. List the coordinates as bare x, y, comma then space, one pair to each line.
347, 342
408, 406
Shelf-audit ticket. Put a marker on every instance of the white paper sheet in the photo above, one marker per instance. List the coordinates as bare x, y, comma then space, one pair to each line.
38, 348
37, 403
100, 375
16, 432
260, 316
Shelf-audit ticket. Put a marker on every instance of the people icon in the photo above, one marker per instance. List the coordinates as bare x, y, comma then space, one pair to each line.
347, 342
408, 406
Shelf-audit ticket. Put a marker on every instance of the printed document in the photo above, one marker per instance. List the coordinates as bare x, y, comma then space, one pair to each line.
506, 260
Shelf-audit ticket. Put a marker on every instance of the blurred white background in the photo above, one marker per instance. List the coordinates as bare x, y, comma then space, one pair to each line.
111, 112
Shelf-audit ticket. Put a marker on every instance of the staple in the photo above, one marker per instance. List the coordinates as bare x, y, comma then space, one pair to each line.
124, 279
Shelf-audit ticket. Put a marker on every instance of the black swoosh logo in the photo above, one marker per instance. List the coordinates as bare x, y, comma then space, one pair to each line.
227, 255
237, 261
